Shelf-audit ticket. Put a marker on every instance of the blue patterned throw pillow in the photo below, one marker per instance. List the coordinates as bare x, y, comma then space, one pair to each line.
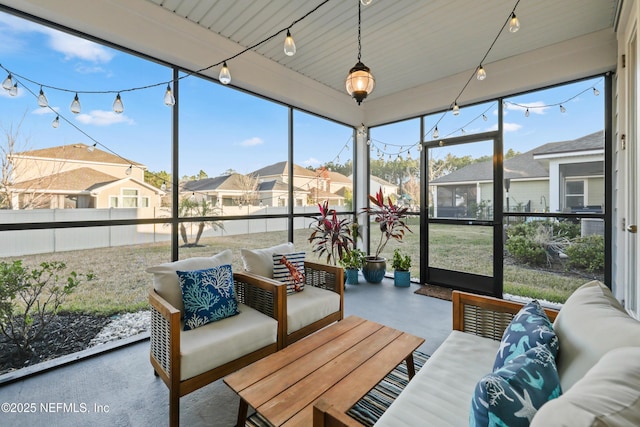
529, 328
512, 395
289, 269
208, 295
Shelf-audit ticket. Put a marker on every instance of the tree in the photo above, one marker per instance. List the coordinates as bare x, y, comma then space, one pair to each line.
189, 206
248, 185
157, 178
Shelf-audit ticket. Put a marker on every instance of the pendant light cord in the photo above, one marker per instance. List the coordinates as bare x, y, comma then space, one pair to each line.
359, 35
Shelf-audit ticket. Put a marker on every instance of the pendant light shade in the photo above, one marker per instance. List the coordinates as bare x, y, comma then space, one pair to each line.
360, 82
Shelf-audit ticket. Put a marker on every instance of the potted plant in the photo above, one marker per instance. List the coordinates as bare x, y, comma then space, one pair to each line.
352, 262
331, 236
401, 265
390, 218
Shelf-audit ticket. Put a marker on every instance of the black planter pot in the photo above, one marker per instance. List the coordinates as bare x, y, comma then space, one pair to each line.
374, 269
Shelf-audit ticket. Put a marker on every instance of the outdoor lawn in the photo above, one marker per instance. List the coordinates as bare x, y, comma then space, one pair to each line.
121, 283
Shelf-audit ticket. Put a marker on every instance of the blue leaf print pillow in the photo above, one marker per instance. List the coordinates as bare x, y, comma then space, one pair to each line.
529, 328
208, 295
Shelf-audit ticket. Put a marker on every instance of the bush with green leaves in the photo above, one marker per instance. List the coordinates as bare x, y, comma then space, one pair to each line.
587, 253
538, 242
30, 298
525, 250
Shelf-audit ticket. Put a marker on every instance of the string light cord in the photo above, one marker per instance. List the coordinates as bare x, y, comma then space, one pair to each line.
164, 83
556, 104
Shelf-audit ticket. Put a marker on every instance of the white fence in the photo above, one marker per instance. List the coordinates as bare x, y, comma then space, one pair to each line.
29, 242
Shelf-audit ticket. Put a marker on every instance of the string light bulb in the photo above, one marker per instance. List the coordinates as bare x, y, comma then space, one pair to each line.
514, 23
14, 90
163, 187
56, 122
436, 134
118, 106
91, 148
562, 109
225, 74
129, 170
455, 110
526, 113
596, 92
289, 45
484, 117
419, 147
42, 99
169, 100
481, 74
366, 2
7, 84
75, 105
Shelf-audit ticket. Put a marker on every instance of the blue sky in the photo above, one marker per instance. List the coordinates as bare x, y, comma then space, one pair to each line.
221, 128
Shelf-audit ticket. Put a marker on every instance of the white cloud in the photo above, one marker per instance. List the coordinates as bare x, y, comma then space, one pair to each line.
103, 118
506, 126
75, 47
252, 141
43, 111
537, 107
312, 162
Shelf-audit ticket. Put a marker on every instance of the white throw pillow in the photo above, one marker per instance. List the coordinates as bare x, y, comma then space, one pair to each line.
165, 278
608, 395
260, 261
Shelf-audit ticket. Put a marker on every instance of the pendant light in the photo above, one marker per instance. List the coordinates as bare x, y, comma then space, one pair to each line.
360, 82
514, 23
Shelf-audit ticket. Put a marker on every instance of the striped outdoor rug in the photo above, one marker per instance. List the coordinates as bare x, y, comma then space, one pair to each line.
372, 406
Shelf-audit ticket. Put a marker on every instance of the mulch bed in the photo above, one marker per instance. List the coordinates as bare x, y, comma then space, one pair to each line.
435, 291
65, 334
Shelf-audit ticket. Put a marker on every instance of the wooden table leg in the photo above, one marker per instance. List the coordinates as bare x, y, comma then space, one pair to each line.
411, 369
242, 413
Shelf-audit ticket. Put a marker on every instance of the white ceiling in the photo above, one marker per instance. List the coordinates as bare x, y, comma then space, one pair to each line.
422, 52
406, 43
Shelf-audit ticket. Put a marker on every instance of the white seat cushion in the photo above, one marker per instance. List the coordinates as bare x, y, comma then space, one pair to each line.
217, 343
440, 393
310, 305
590, 324
608, 395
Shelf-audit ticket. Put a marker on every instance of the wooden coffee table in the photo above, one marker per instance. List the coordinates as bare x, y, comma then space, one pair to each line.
340, 364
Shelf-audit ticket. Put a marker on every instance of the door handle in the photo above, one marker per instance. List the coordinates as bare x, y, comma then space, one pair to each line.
632, 228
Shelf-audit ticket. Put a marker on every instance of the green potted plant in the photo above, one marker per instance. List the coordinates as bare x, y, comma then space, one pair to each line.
401, 265
352, 262
390, 219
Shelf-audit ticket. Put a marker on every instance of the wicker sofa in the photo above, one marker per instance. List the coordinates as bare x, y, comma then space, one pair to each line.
598, 365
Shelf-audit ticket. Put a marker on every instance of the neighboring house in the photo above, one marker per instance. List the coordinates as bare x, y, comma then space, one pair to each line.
566, 176
72, 176
388, 189
237, 190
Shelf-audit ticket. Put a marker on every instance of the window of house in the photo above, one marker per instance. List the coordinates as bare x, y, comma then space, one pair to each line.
130, 198
113, 202
574, 193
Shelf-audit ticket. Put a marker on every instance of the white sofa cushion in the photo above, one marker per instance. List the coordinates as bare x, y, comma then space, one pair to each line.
608, 395
165, 278
591, 323
304, 308
217, 343
260, 261
440, 393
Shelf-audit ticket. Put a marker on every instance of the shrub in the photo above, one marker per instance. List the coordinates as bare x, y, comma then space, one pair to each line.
587, 253
525, 250
30, 299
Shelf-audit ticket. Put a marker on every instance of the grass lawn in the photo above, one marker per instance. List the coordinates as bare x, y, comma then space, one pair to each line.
122, 285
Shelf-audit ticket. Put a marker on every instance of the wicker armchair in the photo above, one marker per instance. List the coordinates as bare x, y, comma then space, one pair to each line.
168, 340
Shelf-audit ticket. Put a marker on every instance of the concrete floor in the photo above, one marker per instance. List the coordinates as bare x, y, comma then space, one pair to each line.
119, 389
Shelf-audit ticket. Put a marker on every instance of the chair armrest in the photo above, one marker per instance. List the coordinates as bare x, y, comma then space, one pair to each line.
164, 337
261, 293
485, 316
324, 276
325, 415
